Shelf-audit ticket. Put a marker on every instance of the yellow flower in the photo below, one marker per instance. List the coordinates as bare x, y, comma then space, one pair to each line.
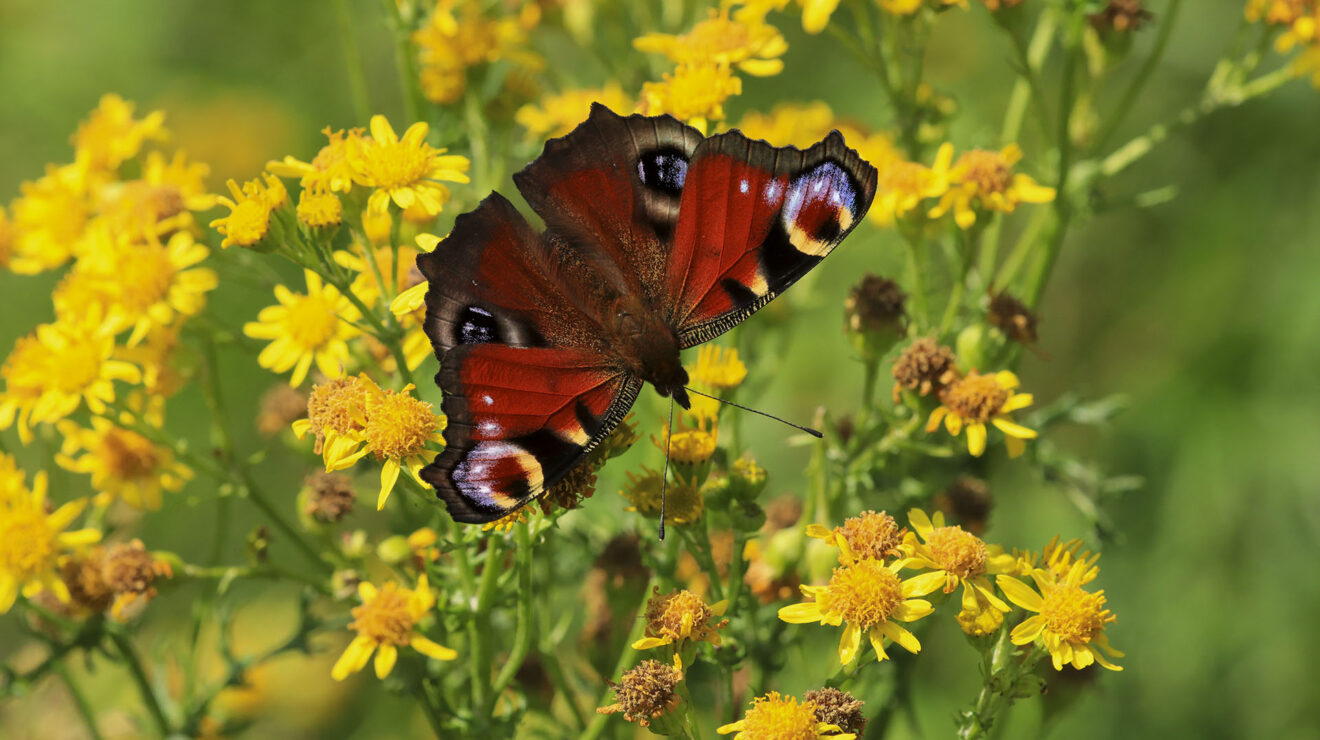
959, 557
558, 114
683, 501
450, 43
985, 180
903, 185
693, 93
404, 170
7, 238
681, 618
111, 136
32, 540
319, 209
335, 410
329, 170
1069, 620
59, 366
388, 618
778, 716
689, 445
909, 7
867, 596
816, 14
150, 284
49, 218
396, 429
160, 202
507, 522
874, 535
305, 328
123, 464
1058, 558
973, 400
249, 210
717, 367
744, 40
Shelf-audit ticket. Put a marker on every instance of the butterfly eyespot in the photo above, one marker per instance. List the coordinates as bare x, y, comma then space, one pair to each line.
476, 325
664, 170
819, 206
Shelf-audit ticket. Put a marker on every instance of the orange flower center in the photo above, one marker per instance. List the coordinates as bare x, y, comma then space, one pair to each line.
1074, 614
872, 535
311, 321
147, 275
987, 170
128, 456
975, 398
679, 615
865, 593
398, 425
385, 619
247, 222
395, 165
777, 716
957, 551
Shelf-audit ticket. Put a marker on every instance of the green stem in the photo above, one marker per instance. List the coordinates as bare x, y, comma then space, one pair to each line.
139, 676
409, 82
357, 81
916, 285
522, 639
626, 656
79, 701
1138, 84
429, 709
482, 648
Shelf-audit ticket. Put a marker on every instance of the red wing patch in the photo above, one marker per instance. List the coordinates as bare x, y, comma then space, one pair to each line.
754, 219
519, 420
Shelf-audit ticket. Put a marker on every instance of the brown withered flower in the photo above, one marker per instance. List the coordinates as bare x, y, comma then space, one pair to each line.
924, 367
1013, 318
279, 407
645, 693
1122, 16
131, 573
836, 707
572, 489
875, 305
329, 496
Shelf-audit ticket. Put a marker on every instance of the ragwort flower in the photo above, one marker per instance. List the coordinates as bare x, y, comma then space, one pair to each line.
58, 367
693, 93
681, 618
902, 185
744, 40
396, 429
960, 557
49, 218
777, 716
870, 534
865, 595
976, 399
304, 329
690, 445
984, 180
388, 618
250, 210
111, 136
717, 367
683, 501
645, 693
329, 170
1069, 620
558, 114
404, 170
124, 465
32, 539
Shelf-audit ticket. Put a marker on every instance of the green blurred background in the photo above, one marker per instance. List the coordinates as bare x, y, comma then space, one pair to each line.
1202, 310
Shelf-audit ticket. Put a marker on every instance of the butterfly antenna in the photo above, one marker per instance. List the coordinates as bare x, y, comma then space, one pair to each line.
808, 430
664, 478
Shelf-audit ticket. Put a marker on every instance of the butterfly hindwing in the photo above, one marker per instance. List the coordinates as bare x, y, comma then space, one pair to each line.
754, 218
519, 420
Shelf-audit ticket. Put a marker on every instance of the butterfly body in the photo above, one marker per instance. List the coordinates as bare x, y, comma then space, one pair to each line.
656, 240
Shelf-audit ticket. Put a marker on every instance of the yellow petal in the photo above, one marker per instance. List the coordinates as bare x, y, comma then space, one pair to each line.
923, 584
901, 636
355, 656
1012, 429
385, 658
1020, 593
804, 613
976, 439
432, 649
849, 643
1018, 401
389, 475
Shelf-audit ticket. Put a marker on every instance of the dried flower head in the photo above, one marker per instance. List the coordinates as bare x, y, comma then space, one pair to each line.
871, 534
925, 366
571, 490
645, 692
1122, 16
679, 618
875, 305
131, 572
836, 707
280, 406
329, 496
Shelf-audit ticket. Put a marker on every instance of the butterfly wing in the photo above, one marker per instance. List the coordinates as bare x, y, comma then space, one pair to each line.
528, 390
614, 184
754, 218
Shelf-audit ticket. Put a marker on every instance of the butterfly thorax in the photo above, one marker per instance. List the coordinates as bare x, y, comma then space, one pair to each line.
647, 346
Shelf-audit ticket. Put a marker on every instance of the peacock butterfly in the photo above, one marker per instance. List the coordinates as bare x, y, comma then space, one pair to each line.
656, 239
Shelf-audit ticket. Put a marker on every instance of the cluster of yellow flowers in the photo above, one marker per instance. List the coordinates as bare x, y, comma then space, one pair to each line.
459, 35
1297, 23
867, 595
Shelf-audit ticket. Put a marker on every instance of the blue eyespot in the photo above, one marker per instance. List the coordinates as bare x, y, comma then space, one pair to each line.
664, 170
476, 325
